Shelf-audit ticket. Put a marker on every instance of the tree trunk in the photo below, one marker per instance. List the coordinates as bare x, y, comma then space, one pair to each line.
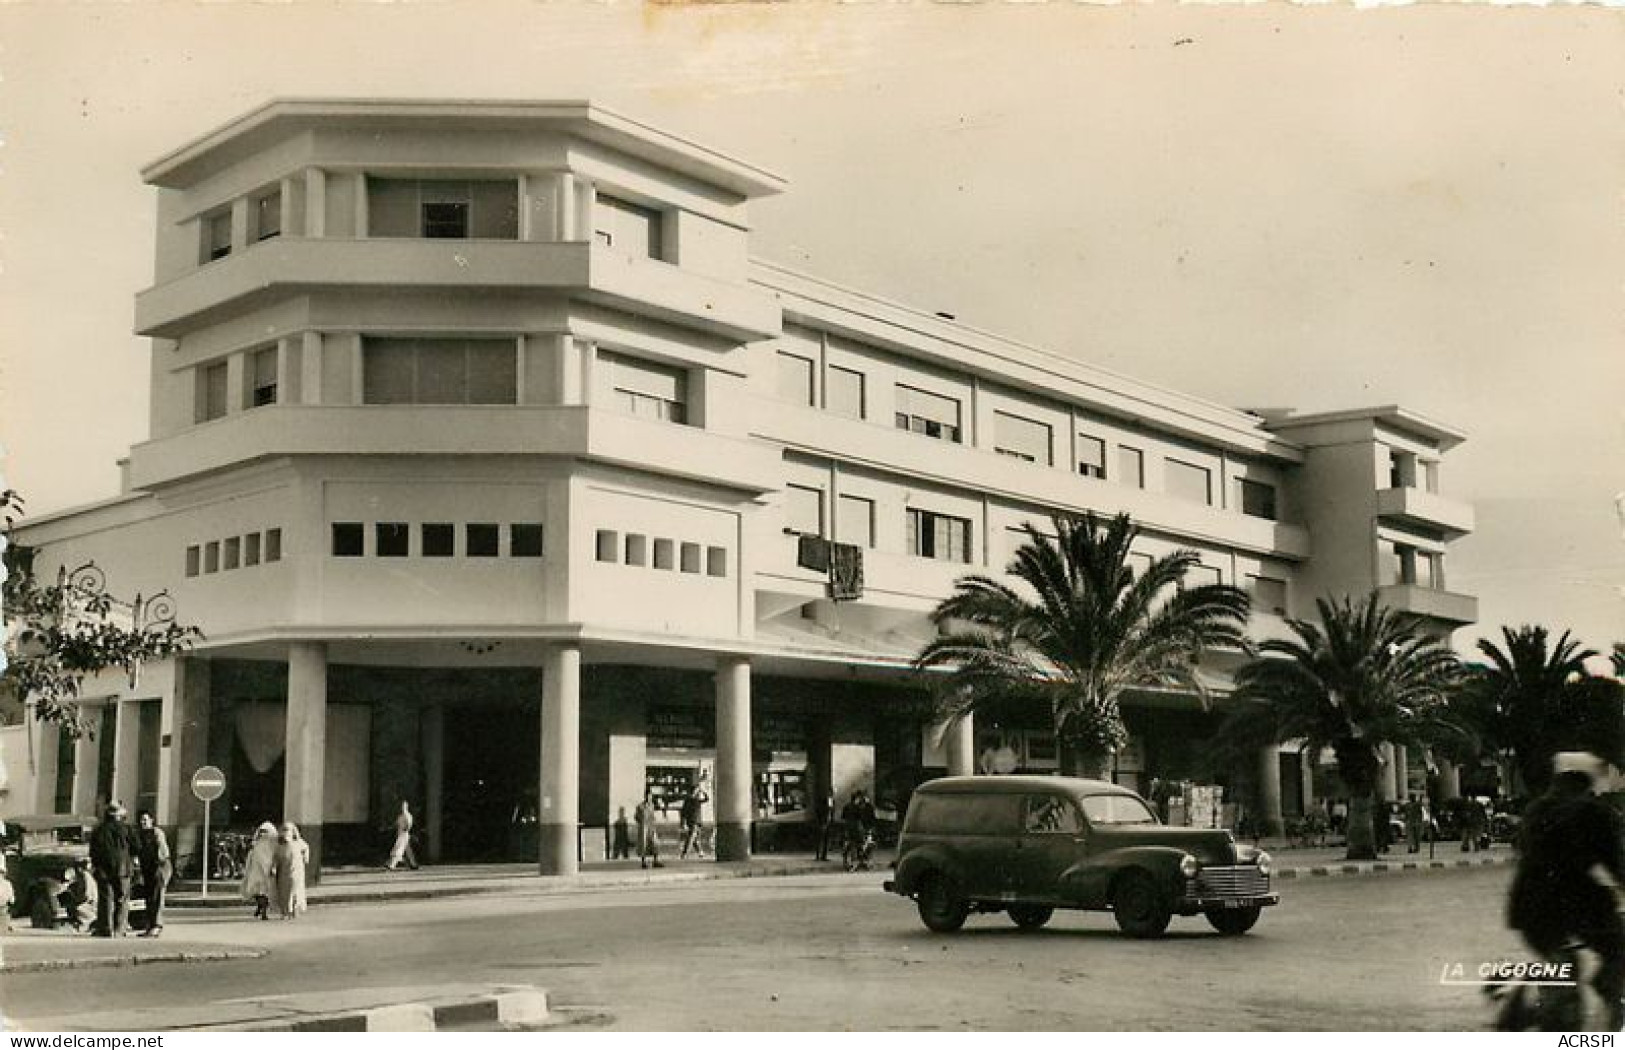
1362, 834
1083, 762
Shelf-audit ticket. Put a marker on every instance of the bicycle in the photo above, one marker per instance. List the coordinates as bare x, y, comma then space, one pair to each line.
229, 855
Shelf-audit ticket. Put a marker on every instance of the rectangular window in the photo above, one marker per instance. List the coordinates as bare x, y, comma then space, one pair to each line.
716, 561
268, 216
804, 510
795, 379
843, 392
1427, 570
689, 558
1201, 576
1022, 438
938, 536
262, 377
211, 392
1139, 564
933, 415
273, 545
1187, 481
608, 542
251, 549
439, 540
211, 556
480, 540
217, 236
1091, 456
855, 521
643, 388
665, 554
393, 539
439, 371
628, 228
478, 209
525, 540
194, 559
231, 553
1256, 498
637, 549
1268, 594
349, 539
1130, 467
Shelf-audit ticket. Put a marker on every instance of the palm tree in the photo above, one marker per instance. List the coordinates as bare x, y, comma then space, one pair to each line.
1617, 658
1519, 696
1365, 677
1083, 630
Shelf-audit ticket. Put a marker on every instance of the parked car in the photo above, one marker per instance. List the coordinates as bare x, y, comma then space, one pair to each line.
38, 849
1027, 845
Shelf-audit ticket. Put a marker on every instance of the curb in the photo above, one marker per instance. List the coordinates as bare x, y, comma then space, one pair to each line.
1384, 867
94, 962
506, 1006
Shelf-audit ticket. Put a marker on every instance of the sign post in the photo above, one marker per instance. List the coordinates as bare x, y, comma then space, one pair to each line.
208, 784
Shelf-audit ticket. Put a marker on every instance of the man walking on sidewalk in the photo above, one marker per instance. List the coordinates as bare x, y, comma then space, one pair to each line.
112, 862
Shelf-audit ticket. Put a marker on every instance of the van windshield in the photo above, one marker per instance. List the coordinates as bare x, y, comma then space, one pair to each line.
1117, 809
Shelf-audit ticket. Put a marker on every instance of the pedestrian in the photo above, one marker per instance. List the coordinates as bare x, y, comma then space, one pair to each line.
858, 817
1413, 824
1472, 823
1340, 817
152, 851
292, 856
648, 841
112, 862
824, 817
690, 817
622, 849
402, 849
1570, 866
259, 870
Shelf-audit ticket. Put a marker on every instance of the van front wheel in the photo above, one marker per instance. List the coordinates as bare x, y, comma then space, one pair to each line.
1139, 906
941, 909
1233, 922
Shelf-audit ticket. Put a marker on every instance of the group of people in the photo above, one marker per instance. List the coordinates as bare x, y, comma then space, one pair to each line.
646, 815
859, 818
274, 873
122, 859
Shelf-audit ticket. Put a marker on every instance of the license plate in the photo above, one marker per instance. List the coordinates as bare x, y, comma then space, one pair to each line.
1236, 904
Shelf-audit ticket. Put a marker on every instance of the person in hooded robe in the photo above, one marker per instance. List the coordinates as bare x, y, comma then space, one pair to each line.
259, 871
292, 855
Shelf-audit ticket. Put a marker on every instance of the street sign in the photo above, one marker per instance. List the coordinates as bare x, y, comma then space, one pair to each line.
208, 783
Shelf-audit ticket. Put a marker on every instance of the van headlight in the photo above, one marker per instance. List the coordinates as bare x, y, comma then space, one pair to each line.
1188, 866
1264, 863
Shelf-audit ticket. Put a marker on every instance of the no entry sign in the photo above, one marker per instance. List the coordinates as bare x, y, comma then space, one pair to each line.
208, 783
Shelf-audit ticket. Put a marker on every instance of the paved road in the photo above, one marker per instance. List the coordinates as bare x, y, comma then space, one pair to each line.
831, 952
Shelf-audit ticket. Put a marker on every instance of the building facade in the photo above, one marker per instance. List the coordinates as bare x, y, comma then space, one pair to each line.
503, 481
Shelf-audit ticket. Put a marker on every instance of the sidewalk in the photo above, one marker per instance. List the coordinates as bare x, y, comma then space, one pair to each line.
203, 931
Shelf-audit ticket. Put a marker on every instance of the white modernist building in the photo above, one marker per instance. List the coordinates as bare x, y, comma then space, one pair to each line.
503, 481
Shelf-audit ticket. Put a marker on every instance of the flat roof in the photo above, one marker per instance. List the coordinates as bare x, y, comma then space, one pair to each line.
255, 130
1393, 416
1002, 783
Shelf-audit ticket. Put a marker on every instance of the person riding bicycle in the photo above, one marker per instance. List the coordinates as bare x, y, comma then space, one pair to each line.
1571, 865
858, 817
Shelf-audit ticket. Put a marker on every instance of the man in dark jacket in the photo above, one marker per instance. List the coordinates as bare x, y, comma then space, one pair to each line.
112, 861
1572, 862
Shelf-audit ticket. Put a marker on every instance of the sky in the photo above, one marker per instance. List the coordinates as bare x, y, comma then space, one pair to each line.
1262, 205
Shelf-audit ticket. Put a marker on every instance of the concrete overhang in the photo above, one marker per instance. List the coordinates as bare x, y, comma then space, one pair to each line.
1393, 417
278, 119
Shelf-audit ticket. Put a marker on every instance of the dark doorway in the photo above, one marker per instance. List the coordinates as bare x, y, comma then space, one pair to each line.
255, 797
493, 759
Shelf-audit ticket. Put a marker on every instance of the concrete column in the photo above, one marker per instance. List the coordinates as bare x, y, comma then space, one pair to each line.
47, 739
127, 755
1306, 771
1449, 780
959, 746
1402, 776
183, 743
1387, 786
733, 798
584, 198
315, 202
434, 778
1269, 789
559, 799
86, 751
305, 778
310, 368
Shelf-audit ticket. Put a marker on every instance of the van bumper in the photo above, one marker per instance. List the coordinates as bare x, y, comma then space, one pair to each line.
1195, 905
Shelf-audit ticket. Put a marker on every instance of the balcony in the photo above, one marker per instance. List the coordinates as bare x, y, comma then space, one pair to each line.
1454, 609
427, 430
1421, 509
288, 265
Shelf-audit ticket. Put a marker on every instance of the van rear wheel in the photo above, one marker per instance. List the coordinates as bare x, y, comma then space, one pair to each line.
941, 909
1030, 916
1139, 906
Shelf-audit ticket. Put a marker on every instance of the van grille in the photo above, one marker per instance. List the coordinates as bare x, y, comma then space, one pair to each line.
1242, 880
